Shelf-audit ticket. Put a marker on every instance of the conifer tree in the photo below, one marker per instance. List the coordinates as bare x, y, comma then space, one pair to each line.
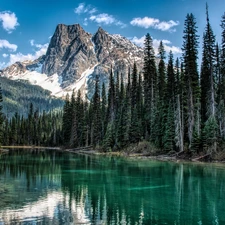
179, 132
169, 133
30, 124
103, 111
73, 134
208, 98
168, 137
170, 80
117, 93
1, 117
122, 89
134, 87
111, 98
150, 79
190, 56
161, 72
135, 127
162, 103
140, 105
96, 115
220, 58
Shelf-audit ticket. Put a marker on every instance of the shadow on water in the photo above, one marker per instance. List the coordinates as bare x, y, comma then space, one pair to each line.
51, 187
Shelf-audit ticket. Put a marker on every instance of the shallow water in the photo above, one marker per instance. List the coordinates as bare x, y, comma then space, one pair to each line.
51, 187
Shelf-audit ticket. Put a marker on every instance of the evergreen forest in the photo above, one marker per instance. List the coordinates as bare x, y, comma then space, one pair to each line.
175, 104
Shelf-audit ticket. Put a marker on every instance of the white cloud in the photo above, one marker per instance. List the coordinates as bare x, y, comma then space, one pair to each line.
166, 26
156, 42
5, 55
103, 18
82, 8
6, 44
40, 50
9, 21
106, 19
91, 11
147, 22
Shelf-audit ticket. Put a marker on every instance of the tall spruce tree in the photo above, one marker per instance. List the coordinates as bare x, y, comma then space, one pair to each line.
208, 98
66, 120
103, 111
111, 98
1, 117
150, 80
222, 60
191, 77
220, 53
179, 132
134, 87
170, 80
161, 105
169, 132
96, 114
161, 72
135, 128
73, 134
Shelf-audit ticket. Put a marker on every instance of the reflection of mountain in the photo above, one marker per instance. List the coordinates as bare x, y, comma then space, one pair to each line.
52, 209
25, 176
59, 188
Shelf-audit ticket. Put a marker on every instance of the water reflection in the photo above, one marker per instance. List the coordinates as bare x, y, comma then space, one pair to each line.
56, 188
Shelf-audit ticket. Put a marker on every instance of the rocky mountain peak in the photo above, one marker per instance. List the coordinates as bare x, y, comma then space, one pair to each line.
101, 36
19, 68
70, 52
75, 57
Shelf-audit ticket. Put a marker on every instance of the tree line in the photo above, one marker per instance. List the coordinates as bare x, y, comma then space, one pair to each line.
170, 104
38, 129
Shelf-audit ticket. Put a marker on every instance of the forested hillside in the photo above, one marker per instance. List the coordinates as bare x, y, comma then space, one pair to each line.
171, 105
17, 96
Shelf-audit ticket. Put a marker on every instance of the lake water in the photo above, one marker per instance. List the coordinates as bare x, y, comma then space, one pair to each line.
48, 187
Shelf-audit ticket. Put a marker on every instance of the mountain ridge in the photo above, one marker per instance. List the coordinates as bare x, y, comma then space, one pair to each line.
75, 57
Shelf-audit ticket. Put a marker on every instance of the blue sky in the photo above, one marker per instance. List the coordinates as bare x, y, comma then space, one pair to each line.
26, 26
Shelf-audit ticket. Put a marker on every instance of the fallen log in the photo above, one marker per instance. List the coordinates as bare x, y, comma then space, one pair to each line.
79, 149
201, 157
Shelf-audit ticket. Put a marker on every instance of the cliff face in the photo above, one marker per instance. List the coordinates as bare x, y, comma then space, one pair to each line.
76, 57
69, 54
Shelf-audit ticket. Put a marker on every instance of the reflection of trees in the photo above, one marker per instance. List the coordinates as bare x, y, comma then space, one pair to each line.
111, 190
201, 188
164, 192
25, 174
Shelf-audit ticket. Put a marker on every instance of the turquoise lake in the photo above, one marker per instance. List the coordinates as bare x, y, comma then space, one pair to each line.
52, 187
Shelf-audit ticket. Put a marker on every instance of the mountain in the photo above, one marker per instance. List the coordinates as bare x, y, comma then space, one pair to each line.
75, 57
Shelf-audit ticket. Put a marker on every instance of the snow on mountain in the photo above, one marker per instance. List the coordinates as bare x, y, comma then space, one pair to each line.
53, 82
75, 58
80, 84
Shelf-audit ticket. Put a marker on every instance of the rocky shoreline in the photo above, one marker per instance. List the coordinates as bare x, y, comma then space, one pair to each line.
175, 157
